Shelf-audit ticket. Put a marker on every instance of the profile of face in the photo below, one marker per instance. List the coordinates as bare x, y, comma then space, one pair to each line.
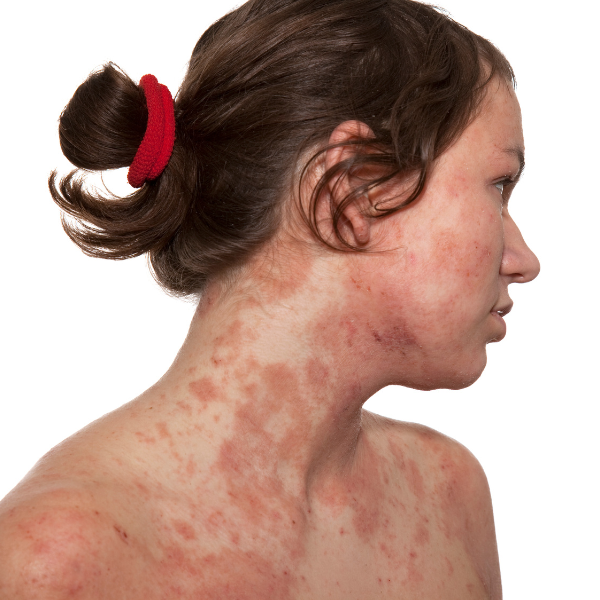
442, 292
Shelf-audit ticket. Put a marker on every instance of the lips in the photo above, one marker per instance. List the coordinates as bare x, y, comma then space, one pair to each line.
503, 310
498, 313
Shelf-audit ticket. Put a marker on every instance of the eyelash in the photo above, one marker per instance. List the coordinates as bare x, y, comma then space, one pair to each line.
507, 181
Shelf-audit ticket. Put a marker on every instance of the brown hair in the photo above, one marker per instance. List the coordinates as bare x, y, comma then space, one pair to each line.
265, 83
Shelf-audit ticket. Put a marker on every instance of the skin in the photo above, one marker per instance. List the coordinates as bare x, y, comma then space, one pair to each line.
250, 470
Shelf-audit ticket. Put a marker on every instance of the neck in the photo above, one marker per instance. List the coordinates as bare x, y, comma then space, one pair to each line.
275, 366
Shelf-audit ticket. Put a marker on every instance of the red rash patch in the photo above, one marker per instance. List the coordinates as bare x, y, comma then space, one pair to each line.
146, 439
414, 479
414, 573
227, 575
190, 468
163, 431
185, 530
143, 490
395, 339
205, 391
185, 407
421, 536
364, 495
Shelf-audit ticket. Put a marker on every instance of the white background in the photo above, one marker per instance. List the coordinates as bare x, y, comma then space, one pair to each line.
81, 336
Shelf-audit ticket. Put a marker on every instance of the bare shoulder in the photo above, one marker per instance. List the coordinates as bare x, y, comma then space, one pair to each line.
446, 464
91, 518
446, 483
63, 529
445, 470
56, 543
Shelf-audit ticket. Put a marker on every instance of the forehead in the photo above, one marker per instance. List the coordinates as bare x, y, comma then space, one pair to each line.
490, 147
498, 126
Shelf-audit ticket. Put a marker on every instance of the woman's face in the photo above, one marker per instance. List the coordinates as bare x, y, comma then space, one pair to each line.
445, 287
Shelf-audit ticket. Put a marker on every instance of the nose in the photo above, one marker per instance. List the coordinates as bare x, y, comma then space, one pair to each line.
518, 261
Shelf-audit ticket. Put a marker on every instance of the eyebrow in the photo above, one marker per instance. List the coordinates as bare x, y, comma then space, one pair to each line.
519, 154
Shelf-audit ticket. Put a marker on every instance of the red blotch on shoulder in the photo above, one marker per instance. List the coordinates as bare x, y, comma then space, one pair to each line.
185, 530
205, 391
146, 439
54, 550
163, 430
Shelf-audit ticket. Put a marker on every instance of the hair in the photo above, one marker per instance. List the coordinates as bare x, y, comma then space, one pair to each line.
266, 83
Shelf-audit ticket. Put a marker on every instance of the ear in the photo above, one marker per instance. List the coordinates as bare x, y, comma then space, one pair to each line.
355, 222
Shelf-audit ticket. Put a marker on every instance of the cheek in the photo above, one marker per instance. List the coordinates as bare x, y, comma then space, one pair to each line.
463, 261
445, 281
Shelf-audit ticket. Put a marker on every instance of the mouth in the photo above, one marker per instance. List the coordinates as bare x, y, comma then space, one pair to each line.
502, 311
498, 314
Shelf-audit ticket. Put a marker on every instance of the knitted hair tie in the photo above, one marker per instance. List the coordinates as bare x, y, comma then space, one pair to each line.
155, 150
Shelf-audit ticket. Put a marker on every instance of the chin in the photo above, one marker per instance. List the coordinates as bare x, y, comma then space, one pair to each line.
465, 378
456, 377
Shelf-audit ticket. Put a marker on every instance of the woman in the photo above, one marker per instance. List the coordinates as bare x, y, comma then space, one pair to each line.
334, 193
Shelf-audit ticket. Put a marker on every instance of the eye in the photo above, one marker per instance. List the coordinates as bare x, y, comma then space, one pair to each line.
505, 186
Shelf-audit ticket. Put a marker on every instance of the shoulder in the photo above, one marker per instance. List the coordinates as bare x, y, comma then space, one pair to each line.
440, 473
446, 466
447, 481
56, 544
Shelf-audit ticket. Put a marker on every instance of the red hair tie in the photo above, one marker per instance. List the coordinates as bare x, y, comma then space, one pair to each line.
155, 150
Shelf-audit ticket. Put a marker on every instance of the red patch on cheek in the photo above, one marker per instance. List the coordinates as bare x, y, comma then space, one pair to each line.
479, 262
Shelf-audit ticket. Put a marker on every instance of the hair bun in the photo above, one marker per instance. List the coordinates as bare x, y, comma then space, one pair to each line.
104, 123
102, 128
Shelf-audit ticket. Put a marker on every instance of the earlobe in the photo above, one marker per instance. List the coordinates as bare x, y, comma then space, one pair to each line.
357, 225
354, 223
